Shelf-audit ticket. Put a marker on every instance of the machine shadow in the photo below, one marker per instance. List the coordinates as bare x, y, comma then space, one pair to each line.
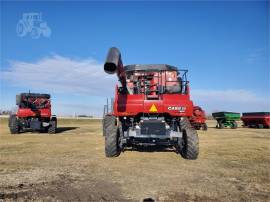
154, 148
63, 129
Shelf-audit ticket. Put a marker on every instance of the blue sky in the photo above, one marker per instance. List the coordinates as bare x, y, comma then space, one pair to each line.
225, 46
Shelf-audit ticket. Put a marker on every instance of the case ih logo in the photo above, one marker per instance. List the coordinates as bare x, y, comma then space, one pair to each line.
180, 109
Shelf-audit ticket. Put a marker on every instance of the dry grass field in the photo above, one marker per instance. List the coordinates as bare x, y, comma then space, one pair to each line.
233, 165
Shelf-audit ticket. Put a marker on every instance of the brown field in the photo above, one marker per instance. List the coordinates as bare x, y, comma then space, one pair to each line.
233, 165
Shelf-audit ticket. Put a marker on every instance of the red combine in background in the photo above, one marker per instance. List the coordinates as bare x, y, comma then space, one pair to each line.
34, 112
152, 106
256, 119
198, 118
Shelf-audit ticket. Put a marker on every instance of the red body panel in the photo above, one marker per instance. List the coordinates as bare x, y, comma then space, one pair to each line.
173, 104
198, 115
27, 112
254, 120
35, 107
149, 89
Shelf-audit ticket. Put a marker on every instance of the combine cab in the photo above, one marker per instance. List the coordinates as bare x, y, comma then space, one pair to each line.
152, 106
34, 112
256, 119
198, 119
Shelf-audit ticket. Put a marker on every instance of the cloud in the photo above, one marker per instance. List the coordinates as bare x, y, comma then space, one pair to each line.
230, 100
85, 80
59, 74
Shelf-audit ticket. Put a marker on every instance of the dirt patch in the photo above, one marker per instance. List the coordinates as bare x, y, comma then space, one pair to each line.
64, 189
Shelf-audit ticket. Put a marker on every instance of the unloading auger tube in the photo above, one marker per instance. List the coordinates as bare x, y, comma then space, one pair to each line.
114, 64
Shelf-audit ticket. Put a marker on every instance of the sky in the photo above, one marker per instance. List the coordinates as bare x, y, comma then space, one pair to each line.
224, 45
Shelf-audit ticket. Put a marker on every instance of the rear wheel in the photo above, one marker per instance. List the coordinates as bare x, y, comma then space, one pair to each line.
204, 126
234, 125
13, 124
189, 146
111, 130
220, 125
260, 126
52, 127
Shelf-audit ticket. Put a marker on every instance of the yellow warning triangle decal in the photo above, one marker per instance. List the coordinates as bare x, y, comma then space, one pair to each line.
153, 108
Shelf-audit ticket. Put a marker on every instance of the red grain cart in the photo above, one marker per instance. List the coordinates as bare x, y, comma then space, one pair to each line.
198, 119
256, 119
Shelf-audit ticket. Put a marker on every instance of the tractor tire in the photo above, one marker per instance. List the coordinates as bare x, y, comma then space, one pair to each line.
260, 126
52, 127
190, 142
13, 124
111, 137
220, 125
204, 126
106, 122
234, 125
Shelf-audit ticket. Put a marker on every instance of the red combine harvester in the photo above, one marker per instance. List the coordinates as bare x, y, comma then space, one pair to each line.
34, 112
256, 119
198, 119
152, 106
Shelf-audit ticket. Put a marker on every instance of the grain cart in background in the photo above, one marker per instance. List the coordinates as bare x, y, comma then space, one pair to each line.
226, 119
198, 118
152, 106
256, 119
34, 112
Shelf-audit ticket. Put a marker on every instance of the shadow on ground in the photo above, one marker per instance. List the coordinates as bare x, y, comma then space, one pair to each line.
156, 148
63, 129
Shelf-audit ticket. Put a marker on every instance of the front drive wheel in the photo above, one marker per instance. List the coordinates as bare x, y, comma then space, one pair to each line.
189, 148
52, 127
220, 125
204, 126
234, 125
112, 133
13, 124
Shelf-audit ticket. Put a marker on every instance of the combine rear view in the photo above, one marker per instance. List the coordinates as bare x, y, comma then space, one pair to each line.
198, 120
34, 112
152, 106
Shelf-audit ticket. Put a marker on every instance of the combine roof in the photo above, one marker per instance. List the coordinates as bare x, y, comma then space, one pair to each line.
35, 95
150, 67
256, 114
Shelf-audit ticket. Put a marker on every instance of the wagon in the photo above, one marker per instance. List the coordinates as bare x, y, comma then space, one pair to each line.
256, 119
198, 118
226, 119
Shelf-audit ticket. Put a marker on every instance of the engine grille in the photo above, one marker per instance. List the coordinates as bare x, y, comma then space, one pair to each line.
153, 127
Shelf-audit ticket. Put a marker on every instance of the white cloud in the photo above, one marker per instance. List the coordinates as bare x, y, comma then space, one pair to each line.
59, 74
86, 78
230, 100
